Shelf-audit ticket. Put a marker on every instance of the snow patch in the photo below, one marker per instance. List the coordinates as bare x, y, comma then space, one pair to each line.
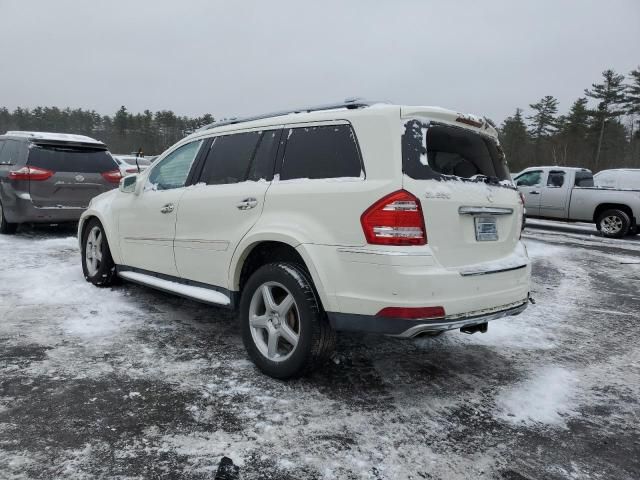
545, 398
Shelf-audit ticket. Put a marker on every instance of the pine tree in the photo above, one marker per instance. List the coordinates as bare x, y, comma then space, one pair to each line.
543, 125
632, 93
543, 122
514, 139
610, 93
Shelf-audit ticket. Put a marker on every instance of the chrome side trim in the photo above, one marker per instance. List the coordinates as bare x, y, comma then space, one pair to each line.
485, 211
463, 320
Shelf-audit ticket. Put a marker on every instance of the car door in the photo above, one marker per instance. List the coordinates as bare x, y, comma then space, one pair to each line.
554, 195
530, 183
147, 219
227, 201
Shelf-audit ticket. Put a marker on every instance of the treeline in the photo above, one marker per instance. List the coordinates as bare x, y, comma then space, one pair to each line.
599, 131
123, 132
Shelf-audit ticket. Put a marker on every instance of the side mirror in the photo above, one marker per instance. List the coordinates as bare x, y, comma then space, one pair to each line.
128, 184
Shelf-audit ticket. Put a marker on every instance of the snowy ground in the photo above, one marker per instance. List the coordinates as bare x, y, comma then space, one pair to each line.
131, 383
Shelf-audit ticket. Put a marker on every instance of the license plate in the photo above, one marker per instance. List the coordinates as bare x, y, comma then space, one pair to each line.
486, 229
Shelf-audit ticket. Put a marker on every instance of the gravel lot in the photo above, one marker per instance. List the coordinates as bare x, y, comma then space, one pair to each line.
132, 383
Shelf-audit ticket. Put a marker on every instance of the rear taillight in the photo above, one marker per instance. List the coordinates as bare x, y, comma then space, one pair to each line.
395, 220
30, 173
412, 313
112, 176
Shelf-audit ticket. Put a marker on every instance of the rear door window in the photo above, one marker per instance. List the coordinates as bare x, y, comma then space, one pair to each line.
58, 158
328, 151
435, 151
229, 158
555, 179
264, 159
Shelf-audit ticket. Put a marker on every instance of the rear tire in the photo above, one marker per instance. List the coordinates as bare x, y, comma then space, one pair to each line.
97, 263
614, 223
6, 227
284, 328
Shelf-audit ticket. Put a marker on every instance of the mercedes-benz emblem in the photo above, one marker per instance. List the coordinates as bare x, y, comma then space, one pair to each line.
490, 197
79, 178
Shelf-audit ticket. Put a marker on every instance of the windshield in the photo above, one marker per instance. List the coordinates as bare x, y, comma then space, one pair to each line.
435, 151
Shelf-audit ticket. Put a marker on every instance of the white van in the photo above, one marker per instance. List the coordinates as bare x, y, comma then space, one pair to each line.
365, 217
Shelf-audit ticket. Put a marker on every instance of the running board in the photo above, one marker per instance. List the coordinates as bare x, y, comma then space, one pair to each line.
196, 293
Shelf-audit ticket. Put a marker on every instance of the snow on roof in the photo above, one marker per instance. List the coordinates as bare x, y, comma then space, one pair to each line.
59, 137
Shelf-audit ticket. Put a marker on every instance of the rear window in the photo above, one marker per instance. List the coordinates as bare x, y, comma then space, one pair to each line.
71, 159
143, 162
434, 151
328, 151
584, 179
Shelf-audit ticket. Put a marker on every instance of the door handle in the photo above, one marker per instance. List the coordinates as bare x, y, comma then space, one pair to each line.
168, 208
247, 204
534, 193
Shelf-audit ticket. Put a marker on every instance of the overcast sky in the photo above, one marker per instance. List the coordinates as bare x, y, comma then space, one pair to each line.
241, 57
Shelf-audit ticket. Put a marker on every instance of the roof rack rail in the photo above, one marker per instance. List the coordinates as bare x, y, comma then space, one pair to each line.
349, 103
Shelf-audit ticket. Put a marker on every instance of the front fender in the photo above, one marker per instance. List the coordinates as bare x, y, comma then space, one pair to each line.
101, 208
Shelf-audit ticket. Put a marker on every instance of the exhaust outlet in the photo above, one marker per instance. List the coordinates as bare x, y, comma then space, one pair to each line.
471, 329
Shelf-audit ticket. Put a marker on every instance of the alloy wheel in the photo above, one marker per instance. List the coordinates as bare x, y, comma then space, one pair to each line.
274, 321
93, 251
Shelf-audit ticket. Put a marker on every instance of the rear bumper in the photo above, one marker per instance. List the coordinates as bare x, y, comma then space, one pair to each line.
411, 328
22, 210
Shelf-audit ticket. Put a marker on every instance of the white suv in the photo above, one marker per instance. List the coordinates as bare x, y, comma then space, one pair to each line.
363, 217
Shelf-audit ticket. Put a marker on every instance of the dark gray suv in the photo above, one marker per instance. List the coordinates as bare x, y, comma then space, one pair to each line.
51, 177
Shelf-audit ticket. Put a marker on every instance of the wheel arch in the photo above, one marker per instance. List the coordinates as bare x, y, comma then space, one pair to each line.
82, 225
613, 206
258, 251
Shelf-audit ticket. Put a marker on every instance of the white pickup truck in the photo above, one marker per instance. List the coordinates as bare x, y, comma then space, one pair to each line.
568, 194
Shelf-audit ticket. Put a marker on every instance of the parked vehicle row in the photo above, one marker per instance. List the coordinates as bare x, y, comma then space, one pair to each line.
569, 194
321, 220
51, 177
129, 164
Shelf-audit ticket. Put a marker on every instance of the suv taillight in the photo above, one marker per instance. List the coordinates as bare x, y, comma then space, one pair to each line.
112, 176
395, 220
30, 173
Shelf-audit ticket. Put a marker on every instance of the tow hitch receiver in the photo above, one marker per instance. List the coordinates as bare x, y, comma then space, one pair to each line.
480, 327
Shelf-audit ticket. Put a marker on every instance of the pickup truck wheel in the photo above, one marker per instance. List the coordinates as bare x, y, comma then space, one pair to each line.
6, 227
284, 329
97, 264
614, 223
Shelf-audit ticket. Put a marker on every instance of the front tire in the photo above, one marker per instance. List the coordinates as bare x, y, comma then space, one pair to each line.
614, 223
97, 263
6, 227
284, 328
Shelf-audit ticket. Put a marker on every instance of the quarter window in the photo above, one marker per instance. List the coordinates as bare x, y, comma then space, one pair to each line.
529, 179
173, 170
9, 152
328, 151
229, 158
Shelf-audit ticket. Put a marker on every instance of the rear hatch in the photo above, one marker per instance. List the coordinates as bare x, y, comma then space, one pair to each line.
454, 165
76, 174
